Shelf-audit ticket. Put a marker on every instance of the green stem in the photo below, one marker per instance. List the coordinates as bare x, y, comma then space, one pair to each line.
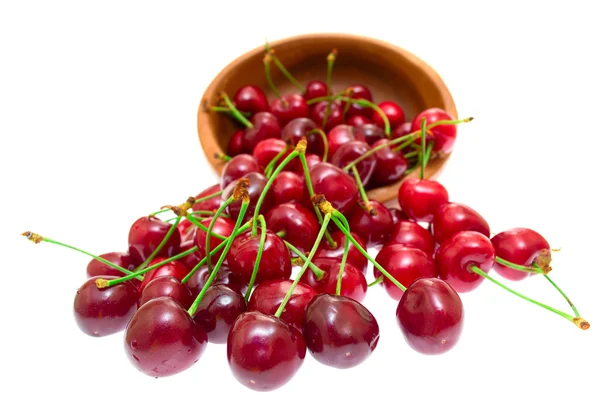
236, 113
261, 246
211, 226
273, 162
539, 270
267, 63
361, 189
376, 281
449, 122
375, 149
325, 142
404, 145
338, 288
517, 266
315, 270
427, 155
412, 154
161, 211
423, 147
158, 248
287, 74
330, 62
210, 196
228, 110
198, 225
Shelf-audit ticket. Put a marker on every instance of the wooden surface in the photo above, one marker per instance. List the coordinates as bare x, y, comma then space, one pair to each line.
390, 72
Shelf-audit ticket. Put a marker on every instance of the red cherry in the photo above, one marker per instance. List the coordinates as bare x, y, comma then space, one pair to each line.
451, 218
146, 234
354, 257
349, 152
167, 286
311, 159
358, 120
430, 315
97, 268
319, 111
223, 227
339, 331
236, 144
358, 91
421, 198
257, 184
371, 133
266, 150
250, 99
193, 258
299, 224
374, 228
335, 184
402, 130
390, 165
102, 312
393, 112
354, 284
520, 246
315, 89
251, 351
341, 135
397, 215
218, 310
161, 339
298, 128
224, 277
287, 187
238, 167
187, 230
268, 296
211, 204
289, 107
411, 234
264, 125
173, 268
443, 136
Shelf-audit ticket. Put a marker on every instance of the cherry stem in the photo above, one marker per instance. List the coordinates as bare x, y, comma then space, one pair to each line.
404, 145
229, 242
285, 72
261, 246
222, 157
281, 233
377, 148
423, 147
323, 136
210, 196
412, 154
338, 287
227, 110
236, 113
267, 62
330, 61
376, 281
200, 212
162, 243
361, 102
198, 225
34, 237
288, 295
361, 189
580, 322
315, 270
212, 224
539, 270
273, 162
517, 266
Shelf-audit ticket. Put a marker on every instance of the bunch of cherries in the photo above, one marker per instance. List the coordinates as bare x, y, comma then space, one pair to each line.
220, 269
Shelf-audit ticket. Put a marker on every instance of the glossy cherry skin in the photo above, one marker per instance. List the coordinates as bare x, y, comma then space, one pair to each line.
458, 253
397, 215
406, 265
236, 144
257, 184
354, 257
311, 159
443, 135
289, 107
402, 130
390, 165
411, 234
421, 198
211, 204
250, 98
193, 258
161, 339
337, 186
358, 92
173, 268
268, 296
187, 230
264, 125
371, 133
238, 167
339, 331
315, 89
102, 312
224, 277
451, 218
393, 112
358, 120
167, 286
266, 151
223, 227
319, 111
97, 268
287, 187
218, 310
263, 351
341, 135
349, 152
274, 264
299, 224
146, 234
298, 128
520, 246
354, 284
373, 229
430, 315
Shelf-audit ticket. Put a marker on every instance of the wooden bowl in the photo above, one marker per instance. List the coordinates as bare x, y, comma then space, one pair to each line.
390, 72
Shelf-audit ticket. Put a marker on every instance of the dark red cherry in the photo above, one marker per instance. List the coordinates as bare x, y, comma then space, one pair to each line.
430, 315
393, 112
193, 258
274, 264
287, 187
358, 91
224, 277
421, 198
339, 331
257, 184
167, 286
411, 234
238, 167
355, 257
173, 268
397, 215
457, 254
319, 111
187, 230
341, 135
299, 224
102, 312
443, 136
268, 296
289, 107
374, 228
211, 204
265, 125
250, 99
311, 159
354, 284
263, 351
390, 165
223, 227
218, 310
406, 265
336, 185
451, 218
520, 246
358, 120
146, 234
371, 133
350, 151
97, 268
315, 89
402, 130
161, 339
236, 144
298, 128
266, 151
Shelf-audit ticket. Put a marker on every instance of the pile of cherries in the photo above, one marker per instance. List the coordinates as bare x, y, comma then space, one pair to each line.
218, 267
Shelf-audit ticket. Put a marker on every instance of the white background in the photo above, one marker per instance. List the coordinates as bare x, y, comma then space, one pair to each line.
98, 127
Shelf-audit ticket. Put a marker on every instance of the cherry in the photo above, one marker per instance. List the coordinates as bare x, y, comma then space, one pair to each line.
339, 331
218, 310
430, 315
390, 165
97, 268
411, 234
274, 264
224, 277
102, 312
146, 234
257, 184
341, 135
373, 228
211, 204
173, 268
264, 125
223, 227
289, 107
393, 112
371, 133
162, 339
266, 150
348, 152
358, 120
406, 265
268, 296
354, 284
250, 98
236, 144
336, 185
403, 130
443, 135
355, 257
167, 286
311, 159
315, 89
421, 198
287, 187
263, 351
298, 223
334, 118
187, 230
397, 214
298, 128
358, 91
238, 167
520, 246
451, 218
193, 258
